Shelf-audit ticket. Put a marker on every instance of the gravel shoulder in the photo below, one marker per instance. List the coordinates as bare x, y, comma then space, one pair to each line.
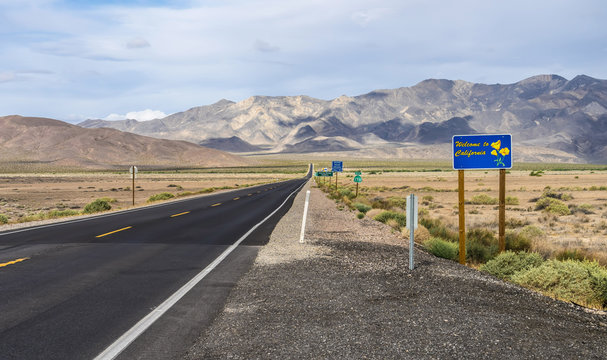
348, 293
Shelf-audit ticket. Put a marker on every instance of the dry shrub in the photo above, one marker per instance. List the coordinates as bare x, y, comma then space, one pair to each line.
516, 223
481, 245
420, 235
442, 248
374, 212
438, 229
482, 199
392, 223
392, 218
571, 254
583, 282
515, 241
508, 263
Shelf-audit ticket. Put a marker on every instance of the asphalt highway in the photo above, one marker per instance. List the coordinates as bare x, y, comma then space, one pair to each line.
71, 290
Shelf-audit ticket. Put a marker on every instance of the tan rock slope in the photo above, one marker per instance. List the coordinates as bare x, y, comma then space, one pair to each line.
42, 141
548, 116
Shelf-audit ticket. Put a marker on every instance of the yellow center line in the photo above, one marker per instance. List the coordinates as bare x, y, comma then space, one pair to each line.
13, 262
236, 198
216, 204
115, 231
183, 213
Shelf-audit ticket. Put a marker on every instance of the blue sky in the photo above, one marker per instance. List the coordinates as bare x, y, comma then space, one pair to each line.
73, 60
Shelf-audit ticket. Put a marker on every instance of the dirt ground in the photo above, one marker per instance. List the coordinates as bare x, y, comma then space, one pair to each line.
27, 194
587, 231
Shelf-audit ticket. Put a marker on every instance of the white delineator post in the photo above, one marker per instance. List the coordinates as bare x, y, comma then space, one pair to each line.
303, 221
411, 215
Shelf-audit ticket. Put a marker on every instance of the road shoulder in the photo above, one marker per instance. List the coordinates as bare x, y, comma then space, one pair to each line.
347, 293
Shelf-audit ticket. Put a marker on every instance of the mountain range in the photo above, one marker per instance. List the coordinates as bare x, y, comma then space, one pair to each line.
550, 119
43, 142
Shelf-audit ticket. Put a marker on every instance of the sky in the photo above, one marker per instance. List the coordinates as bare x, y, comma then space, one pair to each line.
72, 60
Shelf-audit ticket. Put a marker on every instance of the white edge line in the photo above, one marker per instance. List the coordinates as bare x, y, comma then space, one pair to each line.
142, 325
36, 227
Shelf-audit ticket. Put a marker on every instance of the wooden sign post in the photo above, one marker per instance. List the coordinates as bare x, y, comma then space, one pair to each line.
482, 152
462, 217
502, 211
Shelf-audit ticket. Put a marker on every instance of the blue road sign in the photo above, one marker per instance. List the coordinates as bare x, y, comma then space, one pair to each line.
337, 166
482, 152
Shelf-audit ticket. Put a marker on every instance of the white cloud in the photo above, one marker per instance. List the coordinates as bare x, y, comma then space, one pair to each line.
364, 17
137, 43
265, 46
132, 55
144, 115
7, 76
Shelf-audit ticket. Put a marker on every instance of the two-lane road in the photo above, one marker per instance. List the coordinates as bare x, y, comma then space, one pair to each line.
70, 290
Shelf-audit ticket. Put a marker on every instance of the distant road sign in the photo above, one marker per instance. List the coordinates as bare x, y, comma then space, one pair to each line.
324, 173
358, 173
358, 179
482, 152
337, 166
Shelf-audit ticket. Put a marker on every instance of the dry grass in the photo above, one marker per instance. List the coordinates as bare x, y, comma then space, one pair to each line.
26, 195
585, 228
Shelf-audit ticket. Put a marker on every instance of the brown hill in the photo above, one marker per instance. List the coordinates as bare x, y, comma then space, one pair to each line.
42, 141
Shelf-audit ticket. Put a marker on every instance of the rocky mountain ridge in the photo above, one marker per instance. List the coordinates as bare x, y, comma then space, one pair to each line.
46, 142
550, 118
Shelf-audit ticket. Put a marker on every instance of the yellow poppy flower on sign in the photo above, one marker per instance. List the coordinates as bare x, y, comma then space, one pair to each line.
496, 145
494, 153
504, 151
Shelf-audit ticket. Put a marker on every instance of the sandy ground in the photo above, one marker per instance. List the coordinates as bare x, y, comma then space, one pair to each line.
26, 194
585, 231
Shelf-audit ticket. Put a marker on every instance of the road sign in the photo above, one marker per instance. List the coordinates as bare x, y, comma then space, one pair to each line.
358, 173
324, 173
358, 179
337, 166
482, 152
133, 168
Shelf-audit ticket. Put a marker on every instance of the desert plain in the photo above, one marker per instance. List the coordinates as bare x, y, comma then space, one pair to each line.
23, 195
584, 192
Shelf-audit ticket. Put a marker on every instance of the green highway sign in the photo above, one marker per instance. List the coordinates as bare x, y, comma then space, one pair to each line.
324, 173
358, 179
358, 173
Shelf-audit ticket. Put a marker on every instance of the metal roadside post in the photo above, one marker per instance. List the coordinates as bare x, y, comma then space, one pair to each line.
133, 171
412, 220
303, 221
357, 179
